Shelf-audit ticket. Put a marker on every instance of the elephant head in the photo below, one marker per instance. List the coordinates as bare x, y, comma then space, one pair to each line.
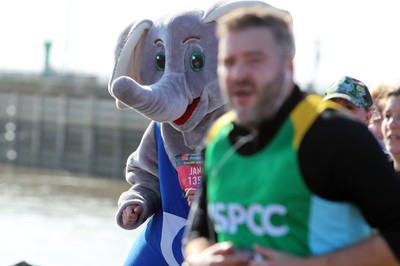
166, 69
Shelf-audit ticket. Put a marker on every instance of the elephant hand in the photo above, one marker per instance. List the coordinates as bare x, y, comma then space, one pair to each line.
131, 214
190, 194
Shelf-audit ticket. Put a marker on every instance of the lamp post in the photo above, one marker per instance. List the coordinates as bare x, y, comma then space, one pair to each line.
47, 69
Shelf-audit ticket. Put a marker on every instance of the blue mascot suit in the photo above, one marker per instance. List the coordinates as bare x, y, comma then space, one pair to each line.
161, 242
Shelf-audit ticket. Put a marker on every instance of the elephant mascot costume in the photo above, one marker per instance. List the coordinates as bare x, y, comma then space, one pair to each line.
166, 70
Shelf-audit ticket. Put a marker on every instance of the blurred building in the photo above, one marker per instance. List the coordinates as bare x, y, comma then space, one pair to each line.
67, 123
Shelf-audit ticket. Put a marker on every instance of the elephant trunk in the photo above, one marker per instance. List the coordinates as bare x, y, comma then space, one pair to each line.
163, 101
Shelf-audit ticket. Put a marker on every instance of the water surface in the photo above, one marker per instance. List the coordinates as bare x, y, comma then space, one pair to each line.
60, 220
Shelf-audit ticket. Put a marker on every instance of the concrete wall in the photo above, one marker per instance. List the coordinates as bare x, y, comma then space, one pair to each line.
65, 123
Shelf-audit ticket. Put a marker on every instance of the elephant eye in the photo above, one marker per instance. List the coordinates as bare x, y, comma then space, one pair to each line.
197, 60
160, 61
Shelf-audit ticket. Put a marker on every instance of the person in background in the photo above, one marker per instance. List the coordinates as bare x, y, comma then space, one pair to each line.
352, 94
391, 126
289, 179
378, 94
355, 96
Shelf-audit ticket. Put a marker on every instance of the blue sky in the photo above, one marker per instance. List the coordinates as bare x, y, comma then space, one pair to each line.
355, 37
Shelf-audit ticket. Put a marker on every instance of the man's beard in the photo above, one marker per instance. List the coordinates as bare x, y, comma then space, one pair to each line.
269, 101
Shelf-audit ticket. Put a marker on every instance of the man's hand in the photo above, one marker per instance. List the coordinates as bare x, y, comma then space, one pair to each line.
131, 214
220, 254
276, 258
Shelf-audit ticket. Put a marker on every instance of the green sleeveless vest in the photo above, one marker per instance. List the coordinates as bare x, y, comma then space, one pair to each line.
262, 198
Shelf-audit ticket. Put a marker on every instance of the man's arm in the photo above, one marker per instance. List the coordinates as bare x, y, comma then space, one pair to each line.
351, 167
199, 244
371, 252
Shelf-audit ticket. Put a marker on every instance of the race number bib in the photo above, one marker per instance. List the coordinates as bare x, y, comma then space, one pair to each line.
190, 169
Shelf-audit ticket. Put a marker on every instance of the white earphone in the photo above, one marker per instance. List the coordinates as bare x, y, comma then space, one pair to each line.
285, 86
288, 73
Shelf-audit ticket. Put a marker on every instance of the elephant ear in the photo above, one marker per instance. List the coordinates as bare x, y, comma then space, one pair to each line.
221, 8
127, 55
